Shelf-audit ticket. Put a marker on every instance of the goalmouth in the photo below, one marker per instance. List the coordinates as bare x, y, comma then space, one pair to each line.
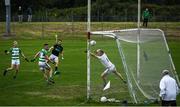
154, 56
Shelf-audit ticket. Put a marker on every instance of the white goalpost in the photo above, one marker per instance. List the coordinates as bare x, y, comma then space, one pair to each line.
88, 47
139, 54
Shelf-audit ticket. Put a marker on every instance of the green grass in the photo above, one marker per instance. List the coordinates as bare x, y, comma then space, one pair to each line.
70, 88
30, 89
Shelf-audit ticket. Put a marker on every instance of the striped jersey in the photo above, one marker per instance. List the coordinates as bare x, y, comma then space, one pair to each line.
42, 55
15, 52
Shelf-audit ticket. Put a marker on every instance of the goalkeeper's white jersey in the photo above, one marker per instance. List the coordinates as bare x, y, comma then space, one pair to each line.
105, 60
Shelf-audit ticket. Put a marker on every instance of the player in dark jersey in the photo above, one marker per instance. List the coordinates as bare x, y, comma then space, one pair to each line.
54, 57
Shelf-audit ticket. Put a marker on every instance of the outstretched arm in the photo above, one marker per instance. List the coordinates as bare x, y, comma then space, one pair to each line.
51, 48
37, 54
8, 51
93, 55
22, 54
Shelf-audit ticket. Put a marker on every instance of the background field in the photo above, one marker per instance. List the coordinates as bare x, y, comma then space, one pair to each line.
70, 89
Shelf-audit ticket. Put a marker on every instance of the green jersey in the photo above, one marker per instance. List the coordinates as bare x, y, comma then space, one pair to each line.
42, 55
146, 14
15, 52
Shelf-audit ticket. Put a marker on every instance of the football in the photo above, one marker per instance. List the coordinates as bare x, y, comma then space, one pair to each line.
103, 99
92, 42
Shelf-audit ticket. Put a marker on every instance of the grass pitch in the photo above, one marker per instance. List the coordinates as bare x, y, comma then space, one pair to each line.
70, 88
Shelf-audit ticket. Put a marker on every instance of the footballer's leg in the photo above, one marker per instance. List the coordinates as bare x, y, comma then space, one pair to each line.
50, 79
17, 64
42, 69
103, 76
45, 74
49, 70
119, 75
56, 66
17, 70
8, 69
49, 73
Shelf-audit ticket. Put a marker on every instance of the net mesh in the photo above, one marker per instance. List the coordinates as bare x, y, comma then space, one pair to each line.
143, 84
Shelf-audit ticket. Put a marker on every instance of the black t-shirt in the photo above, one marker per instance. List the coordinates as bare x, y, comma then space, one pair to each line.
57, 50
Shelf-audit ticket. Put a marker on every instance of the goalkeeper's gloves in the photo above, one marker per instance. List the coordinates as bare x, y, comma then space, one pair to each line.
26, 59
32, 60
6, 51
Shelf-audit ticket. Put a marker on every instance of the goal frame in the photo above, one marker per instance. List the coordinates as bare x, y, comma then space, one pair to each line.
111, 34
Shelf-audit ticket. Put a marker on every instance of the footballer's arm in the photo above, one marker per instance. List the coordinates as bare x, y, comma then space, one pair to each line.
93, 55
22, 54
7, 51
51, 48
37, 54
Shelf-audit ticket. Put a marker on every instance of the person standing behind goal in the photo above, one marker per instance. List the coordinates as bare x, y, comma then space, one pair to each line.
168, 89
146, 16
20, 14
29, 12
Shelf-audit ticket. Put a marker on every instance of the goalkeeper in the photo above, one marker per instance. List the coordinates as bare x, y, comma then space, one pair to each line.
110, 67
15, 61
54, 57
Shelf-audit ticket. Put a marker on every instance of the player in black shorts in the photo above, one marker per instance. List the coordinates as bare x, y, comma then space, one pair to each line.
54, 57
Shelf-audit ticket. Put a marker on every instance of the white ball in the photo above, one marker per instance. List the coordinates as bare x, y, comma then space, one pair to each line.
92, 42
103, 99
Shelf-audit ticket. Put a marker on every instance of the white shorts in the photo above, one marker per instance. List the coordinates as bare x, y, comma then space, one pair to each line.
53, 58
110, 69
15, 61
43, 66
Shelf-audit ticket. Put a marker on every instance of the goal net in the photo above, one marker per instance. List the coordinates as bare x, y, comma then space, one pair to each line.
140, 55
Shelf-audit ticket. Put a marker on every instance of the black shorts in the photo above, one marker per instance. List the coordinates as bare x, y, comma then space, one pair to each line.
145, 19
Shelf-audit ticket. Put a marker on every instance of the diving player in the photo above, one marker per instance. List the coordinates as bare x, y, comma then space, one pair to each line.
15, 52
54, 57
109, 66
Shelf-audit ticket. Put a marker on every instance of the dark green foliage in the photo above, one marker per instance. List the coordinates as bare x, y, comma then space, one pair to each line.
117, 8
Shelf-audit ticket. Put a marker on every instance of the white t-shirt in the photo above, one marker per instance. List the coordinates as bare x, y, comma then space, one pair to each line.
105, 60
168, 88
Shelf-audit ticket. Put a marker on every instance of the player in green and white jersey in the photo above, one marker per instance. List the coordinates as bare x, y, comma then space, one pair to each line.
43, 65
15, 61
